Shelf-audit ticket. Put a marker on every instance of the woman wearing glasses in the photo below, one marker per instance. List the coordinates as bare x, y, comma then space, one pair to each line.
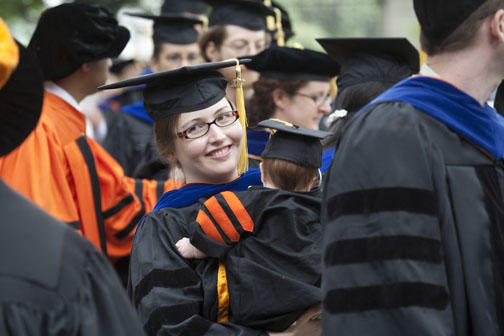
200, 132
294, 87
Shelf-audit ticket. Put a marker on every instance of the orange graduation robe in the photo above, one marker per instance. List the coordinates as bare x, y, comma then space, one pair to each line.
73, 178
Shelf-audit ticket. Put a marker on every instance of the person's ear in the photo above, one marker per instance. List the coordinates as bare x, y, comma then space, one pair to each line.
154, 64
280, 98
86, 67
262, 172
212, 52
497, 25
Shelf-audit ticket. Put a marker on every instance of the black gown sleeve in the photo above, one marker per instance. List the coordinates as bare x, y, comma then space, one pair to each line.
174, 296
53, 281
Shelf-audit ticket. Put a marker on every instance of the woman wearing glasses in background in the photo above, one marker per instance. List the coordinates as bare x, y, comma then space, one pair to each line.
294, 87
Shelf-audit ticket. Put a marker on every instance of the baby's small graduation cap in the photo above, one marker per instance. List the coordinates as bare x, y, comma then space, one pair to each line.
172, 28
189, 89
287, 63
382, 59
292, 143
249, 14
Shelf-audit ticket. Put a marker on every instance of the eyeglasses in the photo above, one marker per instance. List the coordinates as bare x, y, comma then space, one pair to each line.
318, 100
201, 128
242, 47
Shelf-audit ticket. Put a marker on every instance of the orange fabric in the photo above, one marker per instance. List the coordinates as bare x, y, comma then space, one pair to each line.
220, 217
208, 227
239, 211
68, 123
39, 170
50, 169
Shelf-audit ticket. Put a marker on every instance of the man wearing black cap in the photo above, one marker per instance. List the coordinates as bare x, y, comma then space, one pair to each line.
52, 281
237, 28
58, 167
413, 204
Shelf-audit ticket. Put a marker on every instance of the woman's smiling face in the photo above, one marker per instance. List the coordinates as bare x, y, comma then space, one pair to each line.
213, 157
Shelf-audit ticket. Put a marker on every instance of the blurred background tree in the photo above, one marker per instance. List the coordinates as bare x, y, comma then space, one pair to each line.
310, 19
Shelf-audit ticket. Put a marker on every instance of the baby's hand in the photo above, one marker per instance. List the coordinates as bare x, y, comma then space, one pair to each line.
188, 250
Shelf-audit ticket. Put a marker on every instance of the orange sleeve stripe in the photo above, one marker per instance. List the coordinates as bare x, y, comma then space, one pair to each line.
208, 227
239, 211
221, 219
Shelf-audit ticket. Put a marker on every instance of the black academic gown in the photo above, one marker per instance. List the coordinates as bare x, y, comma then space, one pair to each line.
413, 221
126, 140
273, 274
53, 281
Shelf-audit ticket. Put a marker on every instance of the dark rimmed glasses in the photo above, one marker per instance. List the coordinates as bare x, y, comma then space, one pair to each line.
201, 128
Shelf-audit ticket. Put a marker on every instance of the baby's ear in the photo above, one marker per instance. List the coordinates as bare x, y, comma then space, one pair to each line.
262, 172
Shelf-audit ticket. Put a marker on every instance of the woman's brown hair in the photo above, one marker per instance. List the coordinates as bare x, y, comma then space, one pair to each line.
165, 135
287, 175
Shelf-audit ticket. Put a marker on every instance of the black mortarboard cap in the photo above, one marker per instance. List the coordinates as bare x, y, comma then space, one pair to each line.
185, 89
438, 19
118, 65
176, 29
248, 14
372, 59
294, 64
184, 6
72, 34
293, 143
20, 102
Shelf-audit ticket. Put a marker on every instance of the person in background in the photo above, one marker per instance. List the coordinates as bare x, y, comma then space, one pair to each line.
121, 69
195, 9
130, 131
293, 86
413, 209
369, 66
237, 29
60, 169
52, 281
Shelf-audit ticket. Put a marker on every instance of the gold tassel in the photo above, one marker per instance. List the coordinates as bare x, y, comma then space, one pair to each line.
270, 19
9, 53
280, 35
240, 106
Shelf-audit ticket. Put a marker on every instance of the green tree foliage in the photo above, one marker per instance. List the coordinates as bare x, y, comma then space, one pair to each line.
22, 15
332, 18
